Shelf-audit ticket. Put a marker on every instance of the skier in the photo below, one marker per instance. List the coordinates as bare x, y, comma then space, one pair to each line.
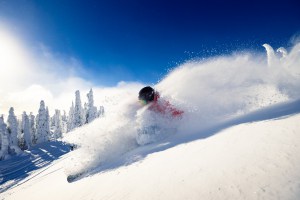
159, 122
148, 96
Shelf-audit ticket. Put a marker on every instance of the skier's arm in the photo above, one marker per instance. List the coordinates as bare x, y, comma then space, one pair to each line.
176, 112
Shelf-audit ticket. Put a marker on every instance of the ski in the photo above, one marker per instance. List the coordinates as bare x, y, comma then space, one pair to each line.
74, 177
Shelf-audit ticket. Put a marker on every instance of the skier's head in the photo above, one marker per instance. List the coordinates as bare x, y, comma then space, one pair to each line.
146, 95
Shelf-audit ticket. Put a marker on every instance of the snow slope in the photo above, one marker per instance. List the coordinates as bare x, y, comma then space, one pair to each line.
19, 167
255, 160
238, 139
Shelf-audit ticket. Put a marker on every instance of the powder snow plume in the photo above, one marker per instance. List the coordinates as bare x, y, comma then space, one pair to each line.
209, 91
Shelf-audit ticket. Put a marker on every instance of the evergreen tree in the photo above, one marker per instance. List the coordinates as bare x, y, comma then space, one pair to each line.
101, 111
52, 123
32, 128
13, 132
4, 139
26, 131
42, 125
64, 122
57, 128
78, 111
91, 109
70, 125
48, 124
21, 140
85, 113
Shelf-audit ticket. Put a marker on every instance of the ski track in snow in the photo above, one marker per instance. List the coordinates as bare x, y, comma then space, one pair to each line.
215, 94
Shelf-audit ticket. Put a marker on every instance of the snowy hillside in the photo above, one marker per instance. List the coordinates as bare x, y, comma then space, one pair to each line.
19, 167
238, 138
255, 160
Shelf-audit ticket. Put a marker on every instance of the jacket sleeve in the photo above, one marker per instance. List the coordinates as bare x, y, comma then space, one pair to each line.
165, 107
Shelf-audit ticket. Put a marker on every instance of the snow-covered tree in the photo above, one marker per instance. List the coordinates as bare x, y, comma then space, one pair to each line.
78, 111
52, 123
91, 113
4, 139
26, 130
64, 120
101, 111
57, 128
70, 125
21, 140
13, 131
42, 124
84, 113
48, 123
32, 128
79, 115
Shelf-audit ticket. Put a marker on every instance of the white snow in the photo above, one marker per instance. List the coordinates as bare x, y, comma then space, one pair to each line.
258, 160
239, 139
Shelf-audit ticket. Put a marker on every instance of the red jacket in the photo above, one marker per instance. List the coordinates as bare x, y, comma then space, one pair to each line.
164, 107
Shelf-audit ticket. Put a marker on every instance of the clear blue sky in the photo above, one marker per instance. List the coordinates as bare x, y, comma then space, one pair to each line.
142, 39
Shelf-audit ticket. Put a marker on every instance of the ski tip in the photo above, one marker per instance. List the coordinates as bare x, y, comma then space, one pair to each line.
72, 178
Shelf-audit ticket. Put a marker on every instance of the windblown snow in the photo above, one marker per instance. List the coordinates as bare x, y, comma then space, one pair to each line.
210, 92
238, 139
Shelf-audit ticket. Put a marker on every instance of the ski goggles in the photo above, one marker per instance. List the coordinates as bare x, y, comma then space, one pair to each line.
143, 102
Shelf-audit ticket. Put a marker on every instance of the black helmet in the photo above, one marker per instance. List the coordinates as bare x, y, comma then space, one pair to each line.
146, 94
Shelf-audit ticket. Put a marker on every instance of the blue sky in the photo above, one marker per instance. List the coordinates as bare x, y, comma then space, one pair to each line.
139, 40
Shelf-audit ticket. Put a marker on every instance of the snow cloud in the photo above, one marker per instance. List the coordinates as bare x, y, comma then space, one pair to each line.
227, 86
210, 92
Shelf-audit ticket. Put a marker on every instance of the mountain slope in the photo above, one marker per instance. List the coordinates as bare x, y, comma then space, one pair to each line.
238, 139
259, 160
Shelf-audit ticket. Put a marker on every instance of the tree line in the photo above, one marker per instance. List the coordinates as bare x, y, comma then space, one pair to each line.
17, 135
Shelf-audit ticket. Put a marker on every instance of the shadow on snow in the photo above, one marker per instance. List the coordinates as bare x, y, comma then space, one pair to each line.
19, 167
